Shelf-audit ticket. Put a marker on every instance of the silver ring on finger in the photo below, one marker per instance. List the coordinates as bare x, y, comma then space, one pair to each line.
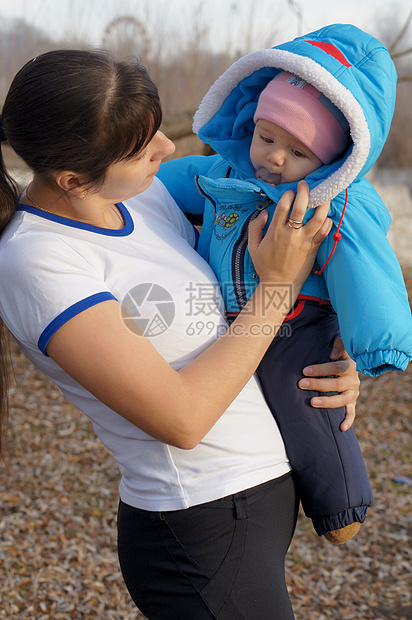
294, 224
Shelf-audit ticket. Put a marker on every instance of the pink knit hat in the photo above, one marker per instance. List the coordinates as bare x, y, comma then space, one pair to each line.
303, 111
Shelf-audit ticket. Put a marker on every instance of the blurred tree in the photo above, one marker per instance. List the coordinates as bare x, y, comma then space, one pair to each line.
19, 42
397, 152
401, 50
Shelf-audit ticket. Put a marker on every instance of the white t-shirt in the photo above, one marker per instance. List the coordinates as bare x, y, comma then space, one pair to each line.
52, 268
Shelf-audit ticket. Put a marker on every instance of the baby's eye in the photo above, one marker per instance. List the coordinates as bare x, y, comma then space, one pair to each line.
266, 140
298, 153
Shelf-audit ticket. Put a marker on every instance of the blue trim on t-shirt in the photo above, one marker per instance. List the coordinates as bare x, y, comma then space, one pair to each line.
68, 314
123, 232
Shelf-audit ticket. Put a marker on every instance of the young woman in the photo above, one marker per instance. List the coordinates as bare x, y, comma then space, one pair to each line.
207, 501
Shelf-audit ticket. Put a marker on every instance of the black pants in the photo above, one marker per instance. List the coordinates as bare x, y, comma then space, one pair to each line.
330, 472
224, 559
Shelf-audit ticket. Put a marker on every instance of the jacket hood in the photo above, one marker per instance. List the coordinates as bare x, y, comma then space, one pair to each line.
351, 68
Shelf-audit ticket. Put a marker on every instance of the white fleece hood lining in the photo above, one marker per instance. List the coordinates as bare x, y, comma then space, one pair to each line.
317, 75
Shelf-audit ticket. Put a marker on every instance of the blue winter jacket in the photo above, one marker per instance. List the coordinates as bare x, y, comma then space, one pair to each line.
363, 278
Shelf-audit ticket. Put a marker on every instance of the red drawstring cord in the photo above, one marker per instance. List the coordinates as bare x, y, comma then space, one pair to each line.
337, 237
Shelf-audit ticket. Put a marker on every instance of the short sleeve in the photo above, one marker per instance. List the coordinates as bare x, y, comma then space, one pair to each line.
43, 284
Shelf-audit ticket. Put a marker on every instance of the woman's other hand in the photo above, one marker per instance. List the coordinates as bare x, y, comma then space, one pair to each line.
338, 375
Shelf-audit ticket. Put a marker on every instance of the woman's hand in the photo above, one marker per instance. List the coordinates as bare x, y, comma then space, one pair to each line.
335, 376
287, 251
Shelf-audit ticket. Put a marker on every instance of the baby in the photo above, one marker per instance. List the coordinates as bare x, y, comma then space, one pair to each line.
269, 128
298, 130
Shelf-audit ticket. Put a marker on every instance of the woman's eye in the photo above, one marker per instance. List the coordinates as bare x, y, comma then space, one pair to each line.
142, 155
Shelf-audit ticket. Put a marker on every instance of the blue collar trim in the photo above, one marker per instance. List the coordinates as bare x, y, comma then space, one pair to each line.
123, 232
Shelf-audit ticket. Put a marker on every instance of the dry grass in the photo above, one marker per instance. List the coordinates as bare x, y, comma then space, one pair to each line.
58, 510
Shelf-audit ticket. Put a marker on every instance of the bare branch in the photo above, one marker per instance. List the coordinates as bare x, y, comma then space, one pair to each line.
401, 34
402, 53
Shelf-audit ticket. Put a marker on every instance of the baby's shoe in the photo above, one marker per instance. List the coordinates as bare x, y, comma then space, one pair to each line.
338, 537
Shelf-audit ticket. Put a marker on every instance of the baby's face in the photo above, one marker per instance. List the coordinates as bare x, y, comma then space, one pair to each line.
278, 157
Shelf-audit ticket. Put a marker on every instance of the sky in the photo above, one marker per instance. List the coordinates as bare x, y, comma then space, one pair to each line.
88, 19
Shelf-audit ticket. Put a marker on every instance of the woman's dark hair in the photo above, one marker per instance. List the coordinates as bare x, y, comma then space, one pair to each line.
75, 110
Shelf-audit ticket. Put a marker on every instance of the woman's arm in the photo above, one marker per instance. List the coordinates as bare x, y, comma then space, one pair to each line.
126, 373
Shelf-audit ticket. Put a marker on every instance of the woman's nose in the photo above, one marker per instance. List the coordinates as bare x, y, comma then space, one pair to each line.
162, 146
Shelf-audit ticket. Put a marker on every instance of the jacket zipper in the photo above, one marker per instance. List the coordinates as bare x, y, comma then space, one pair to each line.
240, 246
239, 250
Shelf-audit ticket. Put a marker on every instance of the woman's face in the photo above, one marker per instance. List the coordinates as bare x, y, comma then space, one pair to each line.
129, 177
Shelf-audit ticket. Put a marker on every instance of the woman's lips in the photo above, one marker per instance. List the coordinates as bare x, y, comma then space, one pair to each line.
153, 174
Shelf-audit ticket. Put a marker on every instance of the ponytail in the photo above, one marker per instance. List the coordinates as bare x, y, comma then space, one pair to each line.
8, 202
8, 187
5, 367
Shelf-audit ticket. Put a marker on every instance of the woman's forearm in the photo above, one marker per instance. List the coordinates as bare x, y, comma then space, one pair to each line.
239, 352
124, 371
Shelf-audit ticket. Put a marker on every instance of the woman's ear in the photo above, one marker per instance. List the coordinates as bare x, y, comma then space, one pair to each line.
70, 182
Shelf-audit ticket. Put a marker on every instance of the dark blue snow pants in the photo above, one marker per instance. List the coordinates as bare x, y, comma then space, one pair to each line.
330, 471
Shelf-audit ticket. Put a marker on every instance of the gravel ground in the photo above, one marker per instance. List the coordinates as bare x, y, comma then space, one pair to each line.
58, 506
